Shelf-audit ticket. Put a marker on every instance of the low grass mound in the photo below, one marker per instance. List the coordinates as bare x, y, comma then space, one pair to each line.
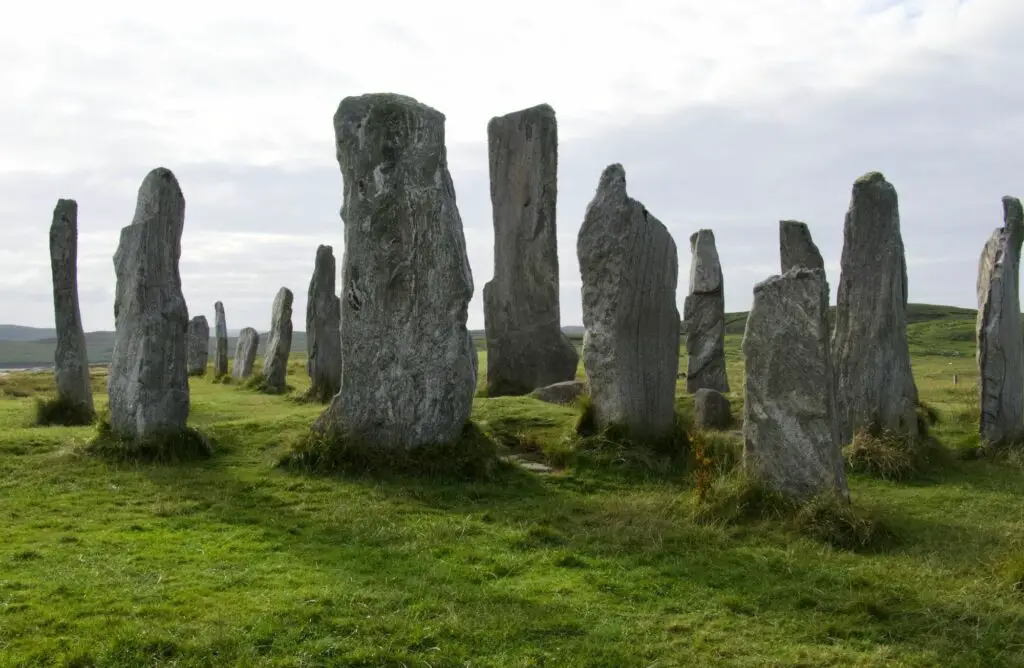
894, 456
60, 411
258, 383
168, 447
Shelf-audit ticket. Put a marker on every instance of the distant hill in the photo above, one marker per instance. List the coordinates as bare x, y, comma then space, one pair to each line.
736, 322
19, 333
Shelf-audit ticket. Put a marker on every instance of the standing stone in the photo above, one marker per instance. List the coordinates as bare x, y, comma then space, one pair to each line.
409, 363
198, 345
874, 384
711, 409
526, 348
704, 312
279, 344
790, 430
220, 354
245, 352
148, 382
70, 361
796, 247
323, 327
630, 268
1000, 339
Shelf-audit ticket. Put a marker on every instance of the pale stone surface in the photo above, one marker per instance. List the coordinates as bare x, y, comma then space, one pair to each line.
220, 353
629, 267
565, 392
323, 327
790, 429
874, 383
409, 365
797, 248
526, 348
245, 352
279, 343
704, 312
70, 361
198, 350
711, 409
1000, 339
148, 381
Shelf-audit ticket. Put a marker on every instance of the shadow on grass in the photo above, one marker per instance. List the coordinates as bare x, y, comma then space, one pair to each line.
163, 447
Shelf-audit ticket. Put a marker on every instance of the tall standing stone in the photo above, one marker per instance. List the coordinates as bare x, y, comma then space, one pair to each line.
70, 361
409, 365
790, 430
279, 343
148, 381
198, 345
526, 348
629, 267
704, 312
874, 383
245, 352
220, 353
323, 327
796, 248
1000, 339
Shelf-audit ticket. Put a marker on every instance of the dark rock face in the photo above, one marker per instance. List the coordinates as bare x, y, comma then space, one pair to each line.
409, 363
220, 356
796, 247
629, 267
790, 429
148, 381
245, 352
1000, 339
323, 327
704, 312
711, 409
70, 361
874, 383
279, 343
198, 350
526, 348
566, 392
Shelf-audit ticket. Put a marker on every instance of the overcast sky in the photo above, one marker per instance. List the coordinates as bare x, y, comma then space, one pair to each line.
729, 115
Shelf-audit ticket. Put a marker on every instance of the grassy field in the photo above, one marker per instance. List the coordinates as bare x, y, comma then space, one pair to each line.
234, 561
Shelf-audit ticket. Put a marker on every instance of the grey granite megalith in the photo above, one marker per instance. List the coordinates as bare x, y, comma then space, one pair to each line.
245, 353
629, 267
874, 383
148, 381
220, 353
323, 327
790, 430
1000, 339
796, 248
279, 344
198, 345
70, 361
704, 312
409, 365
526, 348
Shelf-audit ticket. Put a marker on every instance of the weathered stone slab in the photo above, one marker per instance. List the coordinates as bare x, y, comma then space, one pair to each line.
790, 428
797, 248
409, 364
148, 381
245, 352
70, 361
704, 313
323, 327
1000, 339
526, 348
279, 343
711, 409
198, 350
565, 392
629, 267
874, 383
220, 353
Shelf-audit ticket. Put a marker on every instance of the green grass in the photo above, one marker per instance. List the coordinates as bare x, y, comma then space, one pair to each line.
233, 560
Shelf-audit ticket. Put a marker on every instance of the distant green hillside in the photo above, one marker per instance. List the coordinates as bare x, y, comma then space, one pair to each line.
736, 322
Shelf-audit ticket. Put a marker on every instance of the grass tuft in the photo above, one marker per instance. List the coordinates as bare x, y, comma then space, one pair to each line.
61, 411
927, 417
891, 455
168, 447
258, 382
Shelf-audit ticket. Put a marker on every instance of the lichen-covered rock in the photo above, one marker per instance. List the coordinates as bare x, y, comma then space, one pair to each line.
796, 248
1000, 339
220, 353
148, 377
790, 429
409, 365
245, 352
279, 343
70, 361
565, 392
704, 313
198, 350
323, 327
874, 383
711, 409
526, 348
629, 267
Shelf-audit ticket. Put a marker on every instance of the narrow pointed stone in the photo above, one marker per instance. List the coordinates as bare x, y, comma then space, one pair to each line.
323, 327
796, 248
198, 345
279, 343
245, 352
704, 313
220, 353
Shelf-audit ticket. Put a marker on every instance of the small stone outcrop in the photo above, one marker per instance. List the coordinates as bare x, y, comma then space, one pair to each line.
279, 344
566, 392
711, 409
198, 350
704, 312
796, 248
220, 353
245, 352
323, 327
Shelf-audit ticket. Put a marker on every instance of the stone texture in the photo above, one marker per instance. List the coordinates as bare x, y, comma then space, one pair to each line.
526, 348
1000, 339
198, 350
874, 383
409, 363
565, 392
704, 312
70, 361
796, 248
245, 352
711, 409
220, 353
629, 268
790, 429
148, 381
323, 327
279, 343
